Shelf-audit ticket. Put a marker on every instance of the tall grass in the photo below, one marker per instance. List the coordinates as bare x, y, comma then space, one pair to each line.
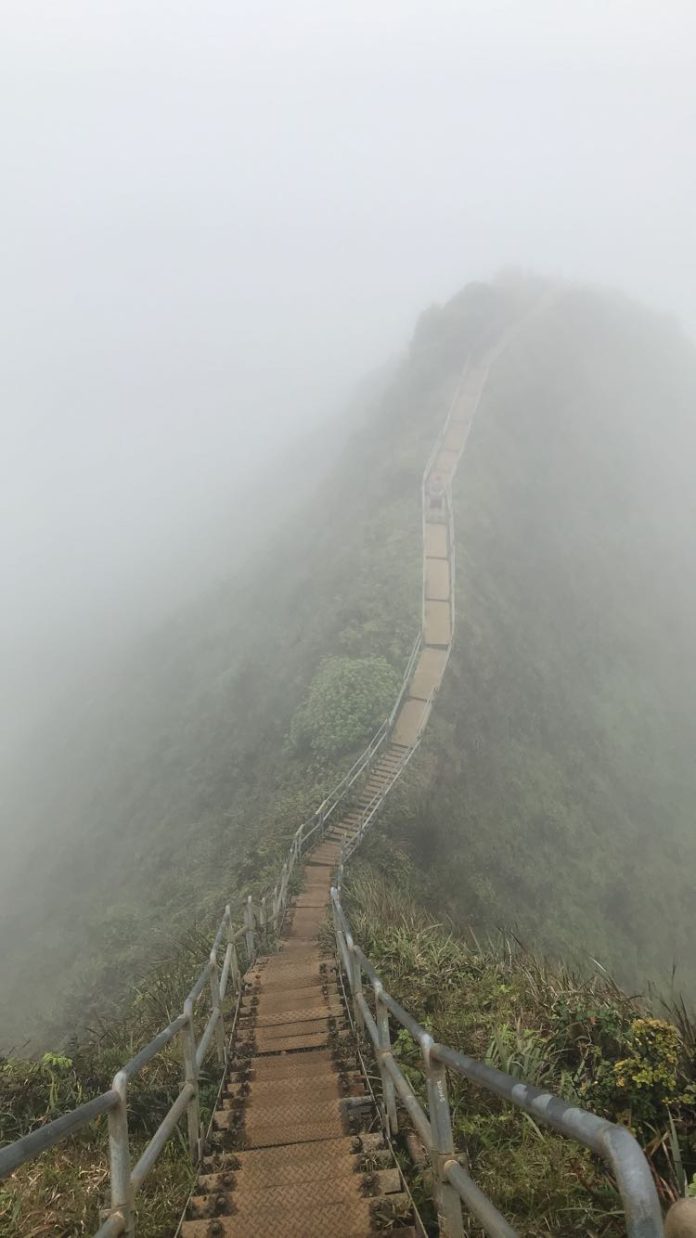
577, 1035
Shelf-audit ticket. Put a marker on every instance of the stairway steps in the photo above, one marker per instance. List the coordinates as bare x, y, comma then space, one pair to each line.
287, 1157
338, 1188
283, 1090
316, 1062
326, 1222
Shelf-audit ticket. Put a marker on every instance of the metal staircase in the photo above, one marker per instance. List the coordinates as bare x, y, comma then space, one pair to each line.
298, 1145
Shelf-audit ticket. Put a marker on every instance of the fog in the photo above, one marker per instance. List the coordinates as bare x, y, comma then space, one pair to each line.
216, 218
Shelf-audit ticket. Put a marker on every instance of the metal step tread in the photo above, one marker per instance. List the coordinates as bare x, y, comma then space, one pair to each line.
355, 1217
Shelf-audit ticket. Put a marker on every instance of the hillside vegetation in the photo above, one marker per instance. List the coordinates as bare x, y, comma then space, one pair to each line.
553, 795
556, 789
577, 1035
151, 802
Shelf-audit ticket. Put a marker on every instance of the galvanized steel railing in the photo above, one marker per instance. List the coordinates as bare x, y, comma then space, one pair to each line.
452, 1181
261, 921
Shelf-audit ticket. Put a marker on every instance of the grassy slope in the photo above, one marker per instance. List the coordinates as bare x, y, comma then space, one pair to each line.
174, 785
556, 790
578, 1036
560, 739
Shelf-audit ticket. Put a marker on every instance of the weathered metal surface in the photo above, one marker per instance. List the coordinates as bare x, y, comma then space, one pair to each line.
438, 627
286, 1164
437, 579
410, 720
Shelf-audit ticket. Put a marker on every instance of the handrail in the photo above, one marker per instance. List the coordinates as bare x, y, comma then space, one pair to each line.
31, 1145
260, 921
614, 1143
241, 945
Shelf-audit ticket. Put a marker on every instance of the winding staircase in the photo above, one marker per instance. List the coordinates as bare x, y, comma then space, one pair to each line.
300, 1145
296, 1149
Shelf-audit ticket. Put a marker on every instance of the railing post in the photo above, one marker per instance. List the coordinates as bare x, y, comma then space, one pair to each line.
263, 923
340, 941
234, 961
449, 1208
388, 1092
119, 1157
355, 982
217, 1006
236, 971
249, 926
191, 1076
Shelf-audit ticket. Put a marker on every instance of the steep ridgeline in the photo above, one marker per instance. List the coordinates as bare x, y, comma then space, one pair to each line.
557, 792
292, 1151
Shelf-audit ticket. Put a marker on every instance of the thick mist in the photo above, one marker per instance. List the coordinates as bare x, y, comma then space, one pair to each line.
215, 218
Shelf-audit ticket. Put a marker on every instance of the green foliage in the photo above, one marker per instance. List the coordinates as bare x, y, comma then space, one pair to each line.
347, 700
579, 1036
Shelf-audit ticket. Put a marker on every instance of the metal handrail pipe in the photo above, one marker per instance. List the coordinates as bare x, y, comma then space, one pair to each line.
135, 1065
407, 675
369, 1021
199, 986
218, 939
344, 955
112, 1226
226, 966
204, 1042
408, 1098
479, 1205
402, 1016
335, 793
166, 1128
31, 1145
612, 1142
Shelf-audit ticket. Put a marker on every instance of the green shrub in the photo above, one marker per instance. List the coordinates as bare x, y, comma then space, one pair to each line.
346, 701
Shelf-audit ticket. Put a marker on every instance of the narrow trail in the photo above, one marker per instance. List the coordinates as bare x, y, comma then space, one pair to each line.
296, 1148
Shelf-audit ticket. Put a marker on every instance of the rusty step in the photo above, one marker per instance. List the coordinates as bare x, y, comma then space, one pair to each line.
277, 1177
260, 1163
338, 1188
330, 1085
318, 1217
318, 1061
301, 1014
216, 1229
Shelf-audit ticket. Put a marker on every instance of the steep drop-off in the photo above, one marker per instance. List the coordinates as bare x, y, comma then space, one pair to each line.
555, 789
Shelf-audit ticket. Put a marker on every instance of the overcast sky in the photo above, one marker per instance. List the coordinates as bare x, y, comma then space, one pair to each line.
217, 216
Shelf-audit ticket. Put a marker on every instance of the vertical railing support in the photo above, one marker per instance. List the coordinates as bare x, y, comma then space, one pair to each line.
193, 1118
355, 982
263, 922
449, 1208
217, 1006
119, 1157
234, 961
249, 926
388, 1092
236, 971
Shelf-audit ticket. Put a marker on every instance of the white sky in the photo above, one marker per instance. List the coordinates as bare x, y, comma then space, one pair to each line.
216, 216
